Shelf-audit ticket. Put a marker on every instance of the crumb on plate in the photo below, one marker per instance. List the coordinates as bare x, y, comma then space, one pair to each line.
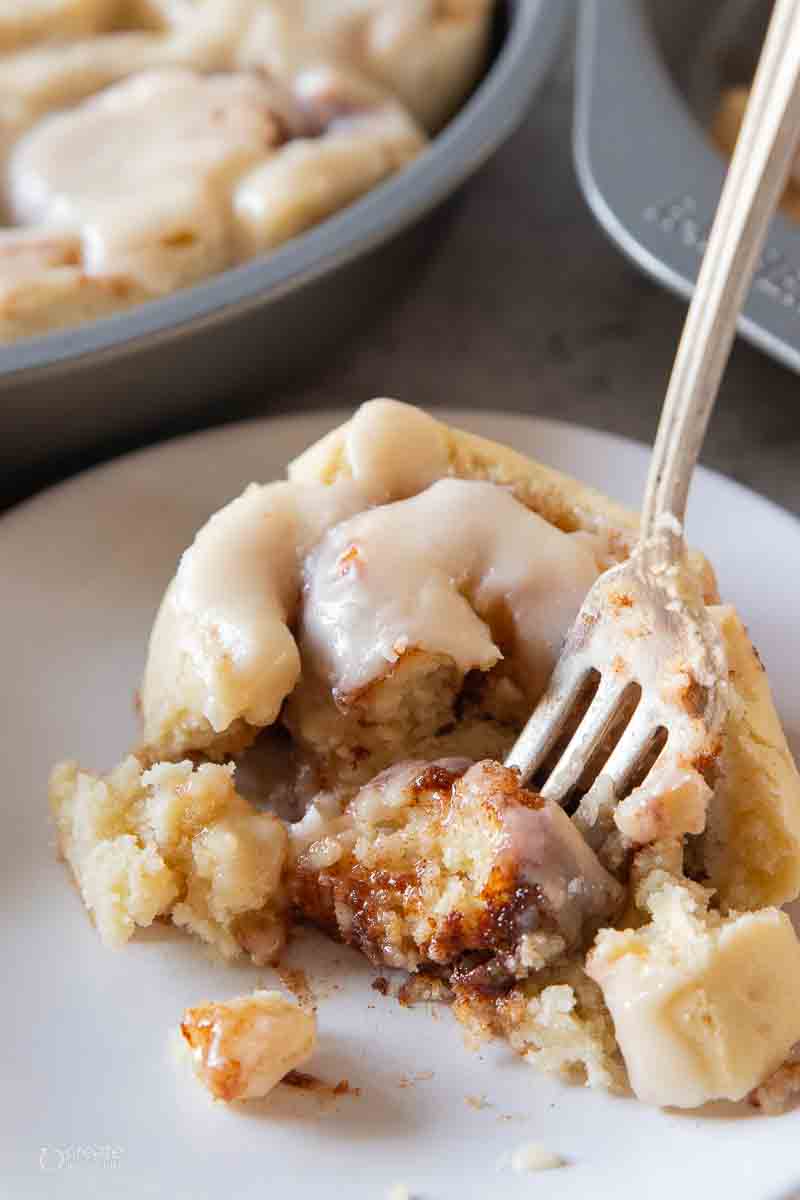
243, 1047
535, 1157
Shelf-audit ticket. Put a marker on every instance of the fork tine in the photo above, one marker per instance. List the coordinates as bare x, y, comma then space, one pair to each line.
586, 739
547, 719
631, 747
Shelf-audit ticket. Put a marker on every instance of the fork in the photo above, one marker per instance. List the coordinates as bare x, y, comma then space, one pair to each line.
643, 630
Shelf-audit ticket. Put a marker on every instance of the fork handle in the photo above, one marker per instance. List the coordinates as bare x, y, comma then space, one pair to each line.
754, 183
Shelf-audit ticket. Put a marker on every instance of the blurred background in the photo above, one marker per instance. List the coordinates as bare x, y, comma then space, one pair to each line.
518, 300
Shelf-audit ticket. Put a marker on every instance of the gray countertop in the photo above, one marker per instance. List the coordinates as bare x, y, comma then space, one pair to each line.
527, 306
524, 305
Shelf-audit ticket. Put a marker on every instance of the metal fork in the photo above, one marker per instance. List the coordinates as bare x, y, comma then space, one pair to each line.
643, 624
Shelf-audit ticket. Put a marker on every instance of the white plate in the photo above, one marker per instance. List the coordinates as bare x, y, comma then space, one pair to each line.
93, 1099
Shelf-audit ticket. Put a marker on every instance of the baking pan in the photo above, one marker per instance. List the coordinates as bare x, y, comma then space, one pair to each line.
263, 323
649, 75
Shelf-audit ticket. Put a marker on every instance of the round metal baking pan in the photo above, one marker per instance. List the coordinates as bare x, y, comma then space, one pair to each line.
649, 75
263, 323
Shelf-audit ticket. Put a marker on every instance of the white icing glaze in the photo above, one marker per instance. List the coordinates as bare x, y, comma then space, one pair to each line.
436, 572
169, 176
286, 35
378, 430
424, 51
236, 591
144, 171
54, 73
545, 849
366, 138
222, 646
